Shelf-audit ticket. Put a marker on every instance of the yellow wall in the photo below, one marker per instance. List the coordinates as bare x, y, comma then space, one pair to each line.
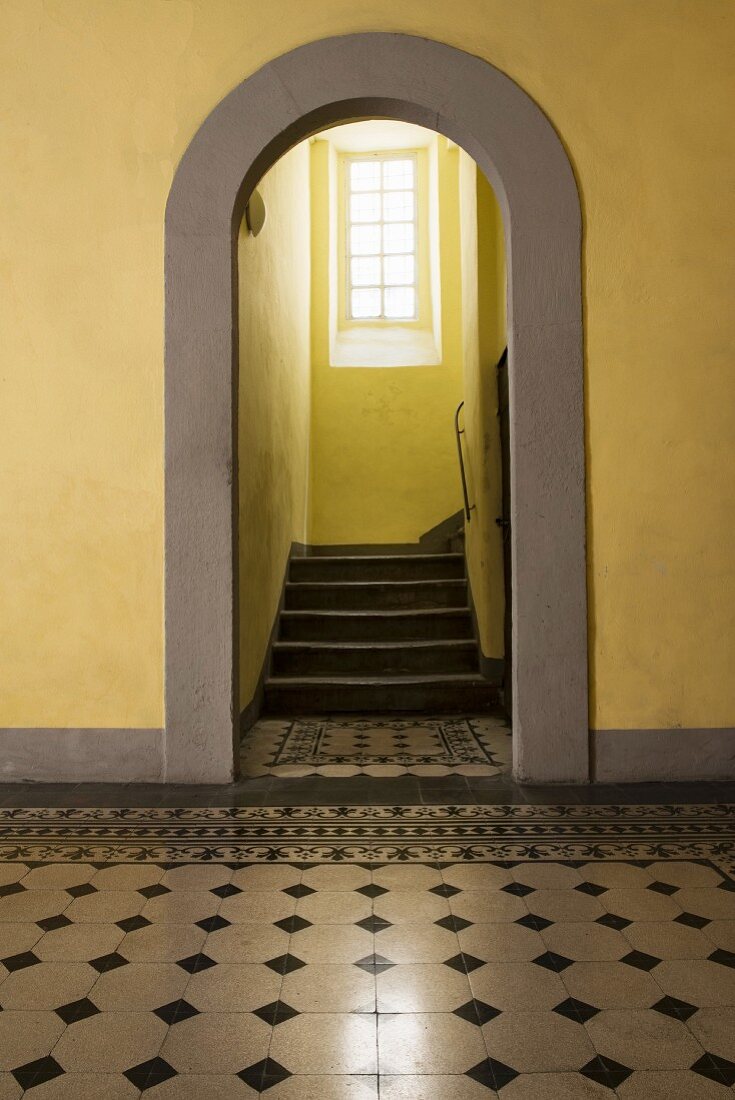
99, 99
384, 467
484, 336
274, 407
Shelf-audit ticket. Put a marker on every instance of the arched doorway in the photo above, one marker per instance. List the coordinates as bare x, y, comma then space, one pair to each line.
412, 79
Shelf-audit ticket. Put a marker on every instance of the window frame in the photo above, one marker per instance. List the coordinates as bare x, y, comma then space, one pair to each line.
346, 317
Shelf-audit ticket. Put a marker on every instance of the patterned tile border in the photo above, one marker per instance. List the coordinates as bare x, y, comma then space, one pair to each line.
347, 746
383, 834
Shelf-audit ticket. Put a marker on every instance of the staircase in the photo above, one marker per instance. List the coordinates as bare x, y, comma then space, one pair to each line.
377, 634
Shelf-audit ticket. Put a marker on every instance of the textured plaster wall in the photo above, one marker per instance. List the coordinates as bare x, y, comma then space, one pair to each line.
98, 100
384, 465
484, 337
274, 402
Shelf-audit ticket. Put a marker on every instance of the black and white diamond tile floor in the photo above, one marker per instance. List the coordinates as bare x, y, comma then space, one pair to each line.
342, 980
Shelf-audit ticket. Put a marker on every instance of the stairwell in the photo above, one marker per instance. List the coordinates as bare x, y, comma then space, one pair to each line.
377, 633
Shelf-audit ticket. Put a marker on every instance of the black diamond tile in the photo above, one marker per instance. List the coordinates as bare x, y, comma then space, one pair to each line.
464, 963
578, 1011
132, 924
50, 924
35, 1073
591, 888
726, 885
551, 961
77, 1010
11, 888
445, 890
263, 1075
285, 964
453, 924
476, 1012
298, 891
372, 890
662, 888
154, 891
531, 920
492, 1074
21, 961
724, 958
692, 920
374, 964
640, 960
176, 1011
292, 924
227, 891
108, 962
606, 1071
152, 1072
277, 1012
517, 888
670, 1006
373, 924
213, 924
612, 920
81, 890
269, 1080
195, 963
715, 1068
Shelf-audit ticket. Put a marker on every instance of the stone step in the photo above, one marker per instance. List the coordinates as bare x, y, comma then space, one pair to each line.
375, 595
376, 626
378, 567
295, 659
380, 694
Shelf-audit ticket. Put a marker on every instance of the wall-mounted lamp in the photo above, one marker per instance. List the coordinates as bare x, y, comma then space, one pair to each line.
255, 213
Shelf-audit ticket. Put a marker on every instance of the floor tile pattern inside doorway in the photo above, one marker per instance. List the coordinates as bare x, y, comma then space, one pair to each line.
405, 978
387, 746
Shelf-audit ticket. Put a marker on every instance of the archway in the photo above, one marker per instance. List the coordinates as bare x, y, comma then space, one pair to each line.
377, 75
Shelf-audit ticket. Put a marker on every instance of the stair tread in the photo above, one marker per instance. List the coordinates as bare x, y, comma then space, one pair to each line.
380, 557
428, 643
450, 678
424, 582
375, 613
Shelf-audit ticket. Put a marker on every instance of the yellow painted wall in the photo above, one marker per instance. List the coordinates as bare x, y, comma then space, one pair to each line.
274, 407
98, 100
384, 465
484, 336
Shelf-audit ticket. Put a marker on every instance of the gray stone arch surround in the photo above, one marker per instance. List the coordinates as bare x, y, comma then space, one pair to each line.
515, 145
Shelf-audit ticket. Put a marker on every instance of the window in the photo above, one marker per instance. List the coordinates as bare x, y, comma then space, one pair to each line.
381, 232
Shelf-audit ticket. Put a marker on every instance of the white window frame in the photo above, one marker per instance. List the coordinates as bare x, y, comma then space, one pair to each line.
347, 225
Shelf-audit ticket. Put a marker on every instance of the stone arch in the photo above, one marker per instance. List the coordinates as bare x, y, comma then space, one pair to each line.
468, 100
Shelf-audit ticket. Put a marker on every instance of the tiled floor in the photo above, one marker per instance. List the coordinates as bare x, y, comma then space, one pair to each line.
421, 981
383, 747
595, 958
453, 937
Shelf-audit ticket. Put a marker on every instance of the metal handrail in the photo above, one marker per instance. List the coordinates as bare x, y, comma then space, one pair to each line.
469, 508
460, 432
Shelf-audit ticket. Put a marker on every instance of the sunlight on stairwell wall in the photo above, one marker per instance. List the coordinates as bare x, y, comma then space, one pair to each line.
274, 402
384, 466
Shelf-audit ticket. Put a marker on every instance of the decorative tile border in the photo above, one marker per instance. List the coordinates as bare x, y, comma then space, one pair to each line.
360, 834
380, 747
